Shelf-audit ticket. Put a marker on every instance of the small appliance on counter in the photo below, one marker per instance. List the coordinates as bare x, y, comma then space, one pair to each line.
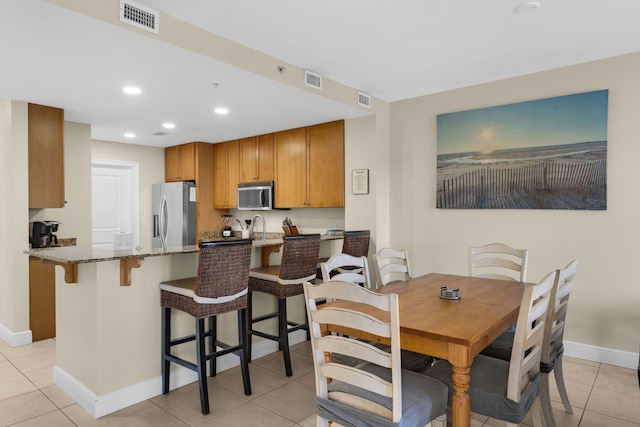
226, 225
41, 233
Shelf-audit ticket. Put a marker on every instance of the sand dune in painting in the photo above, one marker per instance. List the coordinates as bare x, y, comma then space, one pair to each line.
571, 176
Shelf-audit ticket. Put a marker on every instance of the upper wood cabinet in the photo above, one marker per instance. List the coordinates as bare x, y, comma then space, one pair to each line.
256, 158
179, 163
226, 174
207, 219
46, 157
309, 167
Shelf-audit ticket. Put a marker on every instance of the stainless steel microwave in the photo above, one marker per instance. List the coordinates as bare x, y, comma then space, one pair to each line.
255, 196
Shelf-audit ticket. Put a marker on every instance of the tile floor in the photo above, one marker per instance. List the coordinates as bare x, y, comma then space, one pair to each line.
601, 395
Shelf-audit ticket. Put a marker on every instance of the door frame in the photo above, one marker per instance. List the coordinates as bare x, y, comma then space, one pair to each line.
134, 167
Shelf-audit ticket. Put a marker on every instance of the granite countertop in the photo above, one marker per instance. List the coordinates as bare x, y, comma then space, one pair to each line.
84, 254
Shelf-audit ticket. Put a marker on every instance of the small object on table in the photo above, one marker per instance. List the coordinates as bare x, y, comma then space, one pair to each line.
446, 293
288, 227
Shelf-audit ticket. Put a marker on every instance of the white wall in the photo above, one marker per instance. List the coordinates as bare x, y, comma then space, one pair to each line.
604, 309
14, 190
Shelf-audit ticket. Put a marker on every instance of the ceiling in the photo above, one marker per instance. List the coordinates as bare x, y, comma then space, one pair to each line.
392, 50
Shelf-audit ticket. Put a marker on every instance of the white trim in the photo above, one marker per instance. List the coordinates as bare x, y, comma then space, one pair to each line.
15, 339
624, 359
99, 406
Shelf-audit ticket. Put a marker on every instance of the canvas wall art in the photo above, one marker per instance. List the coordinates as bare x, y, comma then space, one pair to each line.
543, 154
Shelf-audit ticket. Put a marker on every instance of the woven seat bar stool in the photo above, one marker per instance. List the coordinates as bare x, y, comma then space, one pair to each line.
221, 286
355, 243
298, 265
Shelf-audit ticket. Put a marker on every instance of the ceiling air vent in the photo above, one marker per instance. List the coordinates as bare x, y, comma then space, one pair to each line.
364, 100
312, 79
139, 16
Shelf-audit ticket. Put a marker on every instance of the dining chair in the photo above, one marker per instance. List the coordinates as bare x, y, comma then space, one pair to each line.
392, 265
508, 390
498, 261
354, 243
298, 265
375, 391
219, 287
346, 268
550, 360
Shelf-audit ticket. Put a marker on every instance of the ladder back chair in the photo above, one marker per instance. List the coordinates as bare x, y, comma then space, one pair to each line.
498, 261
354, 243
220, 287
508, 390
347, 268
392, 265
375, 391
298, 265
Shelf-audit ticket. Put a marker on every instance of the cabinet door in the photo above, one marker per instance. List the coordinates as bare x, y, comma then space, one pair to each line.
291, 169
265, 157
249, 159
256, 158
42, 300
187, 162
233, 171
226, 174
220, 177
206, 216
326, 165
172, 164
46, 156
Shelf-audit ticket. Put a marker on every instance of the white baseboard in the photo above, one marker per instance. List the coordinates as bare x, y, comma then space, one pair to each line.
15, 339
99, 406
625, 359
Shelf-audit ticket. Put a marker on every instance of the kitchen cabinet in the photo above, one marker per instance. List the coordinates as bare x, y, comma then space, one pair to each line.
46, 156
309, 167
226, 174
180, 163
256, 158
207, 218
42, 300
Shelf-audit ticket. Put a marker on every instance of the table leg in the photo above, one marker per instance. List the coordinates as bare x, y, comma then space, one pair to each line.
460, 360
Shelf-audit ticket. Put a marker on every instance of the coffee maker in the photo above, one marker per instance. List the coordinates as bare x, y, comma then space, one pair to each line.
41, 234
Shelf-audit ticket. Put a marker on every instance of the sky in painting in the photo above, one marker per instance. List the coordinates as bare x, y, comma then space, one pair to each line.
566, 119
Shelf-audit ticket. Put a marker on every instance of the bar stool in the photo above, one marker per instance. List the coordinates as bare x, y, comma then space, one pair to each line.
355, 243
219, 287
298, 265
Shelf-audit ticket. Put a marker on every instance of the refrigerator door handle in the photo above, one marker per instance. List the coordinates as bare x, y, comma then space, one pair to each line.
163, 221
156, 226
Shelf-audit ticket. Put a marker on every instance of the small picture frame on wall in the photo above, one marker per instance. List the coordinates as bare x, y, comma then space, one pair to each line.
360, 181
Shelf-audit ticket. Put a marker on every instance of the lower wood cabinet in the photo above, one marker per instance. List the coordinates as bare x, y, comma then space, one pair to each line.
42, 300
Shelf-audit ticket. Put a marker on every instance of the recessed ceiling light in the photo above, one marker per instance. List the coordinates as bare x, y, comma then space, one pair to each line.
130, 135
526, 7
221, 110
131, 90
168, 125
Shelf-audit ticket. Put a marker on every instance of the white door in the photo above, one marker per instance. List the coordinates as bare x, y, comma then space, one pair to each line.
115, 201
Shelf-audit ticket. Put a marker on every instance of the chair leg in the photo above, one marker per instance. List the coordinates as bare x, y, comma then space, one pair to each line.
249, 324
213, 330
166, 348
284, 334
536, 413
202, 366
545, 401
243, 342
557, 372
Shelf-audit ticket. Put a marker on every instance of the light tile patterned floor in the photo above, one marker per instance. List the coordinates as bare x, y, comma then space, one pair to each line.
601, 395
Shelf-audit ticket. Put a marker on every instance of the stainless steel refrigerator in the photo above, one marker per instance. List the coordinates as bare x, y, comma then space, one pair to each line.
174, 214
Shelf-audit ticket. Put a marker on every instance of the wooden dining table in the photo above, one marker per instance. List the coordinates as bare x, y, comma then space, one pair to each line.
455, 330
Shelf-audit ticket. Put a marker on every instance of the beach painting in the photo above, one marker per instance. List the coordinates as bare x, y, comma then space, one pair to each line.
544, 154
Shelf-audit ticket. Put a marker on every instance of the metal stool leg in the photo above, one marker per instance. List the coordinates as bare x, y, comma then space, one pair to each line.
166, 348
202, 366
284, 334
243, 342
213, 325
249, 321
